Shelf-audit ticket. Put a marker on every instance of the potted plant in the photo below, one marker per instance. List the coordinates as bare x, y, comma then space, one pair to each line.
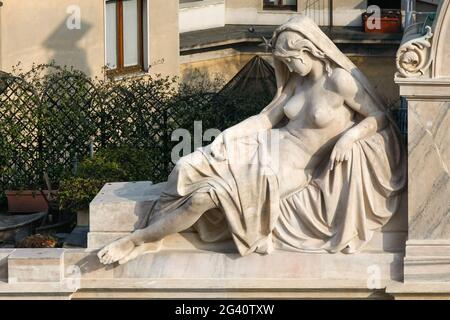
27, 201
30, 199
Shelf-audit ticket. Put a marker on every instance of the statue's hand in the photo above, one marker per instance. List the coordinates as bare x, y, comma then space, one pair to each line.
342, 152
218, 147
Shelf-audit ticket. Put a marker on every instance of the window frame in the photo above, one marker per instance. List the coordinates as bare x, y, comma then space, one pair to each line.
120, 68
280, 7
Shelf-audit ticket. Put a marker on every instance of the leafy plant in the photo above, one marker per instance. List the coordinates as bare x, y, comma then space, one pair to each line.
108, 165
76, 193
135, 164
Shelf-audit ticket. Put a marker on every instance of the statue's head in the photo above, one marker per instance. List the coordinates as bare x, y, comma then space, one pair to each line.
299, 53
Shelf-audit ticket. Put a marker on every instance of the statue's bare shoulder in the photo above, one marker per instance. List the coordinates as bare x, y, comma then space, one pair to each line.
344, 83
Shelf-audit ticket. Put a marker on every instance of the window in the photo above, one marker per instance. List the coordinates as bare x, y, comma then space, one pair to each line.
280, 5
125, 35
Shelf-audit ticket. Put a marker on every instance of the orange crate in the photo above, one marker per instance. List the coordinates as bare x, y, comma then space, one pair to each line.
391, 22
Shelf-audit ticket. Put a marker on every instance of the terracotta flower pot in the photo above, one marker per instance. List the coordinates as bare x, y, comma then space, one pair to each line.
26, 201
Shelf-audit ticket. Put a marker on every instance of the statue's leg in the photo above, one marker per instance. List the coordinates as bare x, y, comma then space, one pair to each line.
143, 240
176, 221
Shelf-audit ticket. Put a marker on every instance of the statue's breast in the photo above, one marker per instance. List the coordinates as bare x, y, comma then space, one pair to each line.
326, 107
315, 107
294, 106
321, 115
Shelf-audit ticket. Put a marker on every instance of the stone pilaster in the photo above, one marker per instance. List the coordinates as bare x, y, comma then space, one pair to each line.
424, 80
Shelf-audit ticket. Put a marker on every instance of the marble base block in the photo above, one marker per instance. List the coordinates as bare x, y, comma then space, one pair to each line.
427, 261
119, 207
195, 273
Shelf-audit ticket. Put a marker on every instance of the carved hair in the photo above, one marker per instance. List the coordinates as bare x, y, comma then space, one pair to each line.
294, 46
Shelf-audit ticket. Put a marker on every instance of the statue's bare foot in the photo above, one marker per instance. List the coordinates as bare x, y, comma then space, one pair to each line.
140, 250
116, 251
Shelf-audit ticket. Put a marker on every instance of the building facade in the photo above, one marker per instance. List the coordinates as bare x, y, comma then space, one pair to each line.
221, 43
125, 36
217, 13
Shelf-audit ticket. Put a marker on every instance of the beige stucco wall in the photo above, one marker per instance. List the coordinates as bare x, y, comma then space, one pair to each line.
379, 70
164, 41
35, 31
224, 68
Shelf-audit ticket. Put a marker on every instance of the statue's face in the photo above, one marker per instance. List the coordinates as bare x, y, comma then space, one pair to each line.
296, 59
302, 64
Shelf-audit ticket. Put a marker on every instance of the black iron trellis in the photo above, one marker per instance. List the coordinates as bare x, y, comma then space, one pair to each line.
50, 124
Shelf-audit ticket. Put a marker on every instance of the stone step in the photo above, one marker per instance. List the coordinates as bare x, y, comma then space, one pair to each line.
59, 273
35, 265
55, 265
169, 265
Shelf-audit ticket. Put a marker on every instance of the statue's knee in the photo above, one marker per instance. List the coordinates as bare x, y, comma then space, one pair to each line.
201, 199
190, 160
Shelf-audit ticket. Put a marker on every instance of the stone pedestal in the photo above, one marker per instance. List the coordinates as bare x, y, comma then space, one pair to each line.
118, 208
199, 273
428, 246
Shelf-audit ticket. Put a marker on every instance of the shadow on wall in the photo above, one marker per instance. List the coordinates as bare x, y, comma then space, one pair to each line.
213, 70
65, 44
199, 78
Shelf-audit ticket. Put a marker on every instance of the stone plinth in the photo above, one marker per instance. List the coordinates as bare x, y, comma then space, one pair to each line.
118, 208
205, 274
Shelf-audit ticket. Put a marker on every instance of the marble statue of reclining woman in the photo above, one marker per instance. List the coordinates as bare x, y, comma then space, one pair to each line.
318, 170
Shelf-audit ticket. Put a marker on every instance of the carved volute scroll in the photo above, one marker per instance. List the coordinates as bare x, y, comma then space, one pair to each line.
414, 55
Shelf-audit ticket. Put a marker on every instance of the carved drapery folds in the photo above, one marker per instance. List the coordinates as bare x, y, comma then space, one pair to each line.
414, 55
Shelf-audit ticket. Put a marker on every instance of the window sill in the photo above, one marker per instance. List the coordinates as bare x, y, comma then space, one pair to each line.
129, 76
125, 74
